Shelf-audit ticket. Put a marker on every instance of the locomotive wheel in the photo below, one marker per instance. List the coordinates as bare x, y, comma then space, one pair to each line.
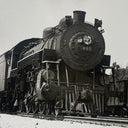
28, 108
47, 108
35, 107
21, 107
42, 108
57, 111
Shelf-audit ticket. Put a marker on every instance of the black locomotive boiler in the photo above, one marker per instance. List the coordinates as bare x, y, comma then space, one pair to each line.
53, 73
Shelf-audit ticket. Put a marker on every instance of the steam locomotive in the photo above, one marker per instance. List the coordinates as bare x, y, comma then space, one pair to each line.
64, 70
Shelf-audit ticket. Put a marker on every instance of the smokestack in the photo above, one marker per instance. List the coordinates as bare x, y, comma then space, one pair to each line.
78, 16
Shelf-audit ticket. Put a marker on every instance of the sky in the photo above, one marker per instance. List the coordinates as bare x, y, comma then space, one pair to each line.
24, 19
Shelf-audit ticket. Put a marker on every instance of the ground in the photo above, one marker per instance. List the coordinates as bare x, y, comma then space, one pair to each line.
9, 121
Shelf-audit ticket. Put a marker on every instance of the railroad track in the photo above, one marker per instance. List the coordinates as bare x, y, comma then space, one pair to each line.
100, 120
106, 121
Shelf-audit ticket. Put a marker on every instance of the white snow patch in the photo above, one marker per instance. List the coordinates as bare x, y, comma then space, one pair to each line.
9, 121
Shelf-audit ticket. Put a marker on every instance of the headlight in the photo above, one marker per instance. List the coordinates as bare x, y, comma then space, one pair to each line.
87, 40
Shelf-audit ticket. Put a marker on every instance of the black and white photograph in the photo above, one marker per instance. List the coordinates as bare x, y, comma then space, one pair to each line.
63, 64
